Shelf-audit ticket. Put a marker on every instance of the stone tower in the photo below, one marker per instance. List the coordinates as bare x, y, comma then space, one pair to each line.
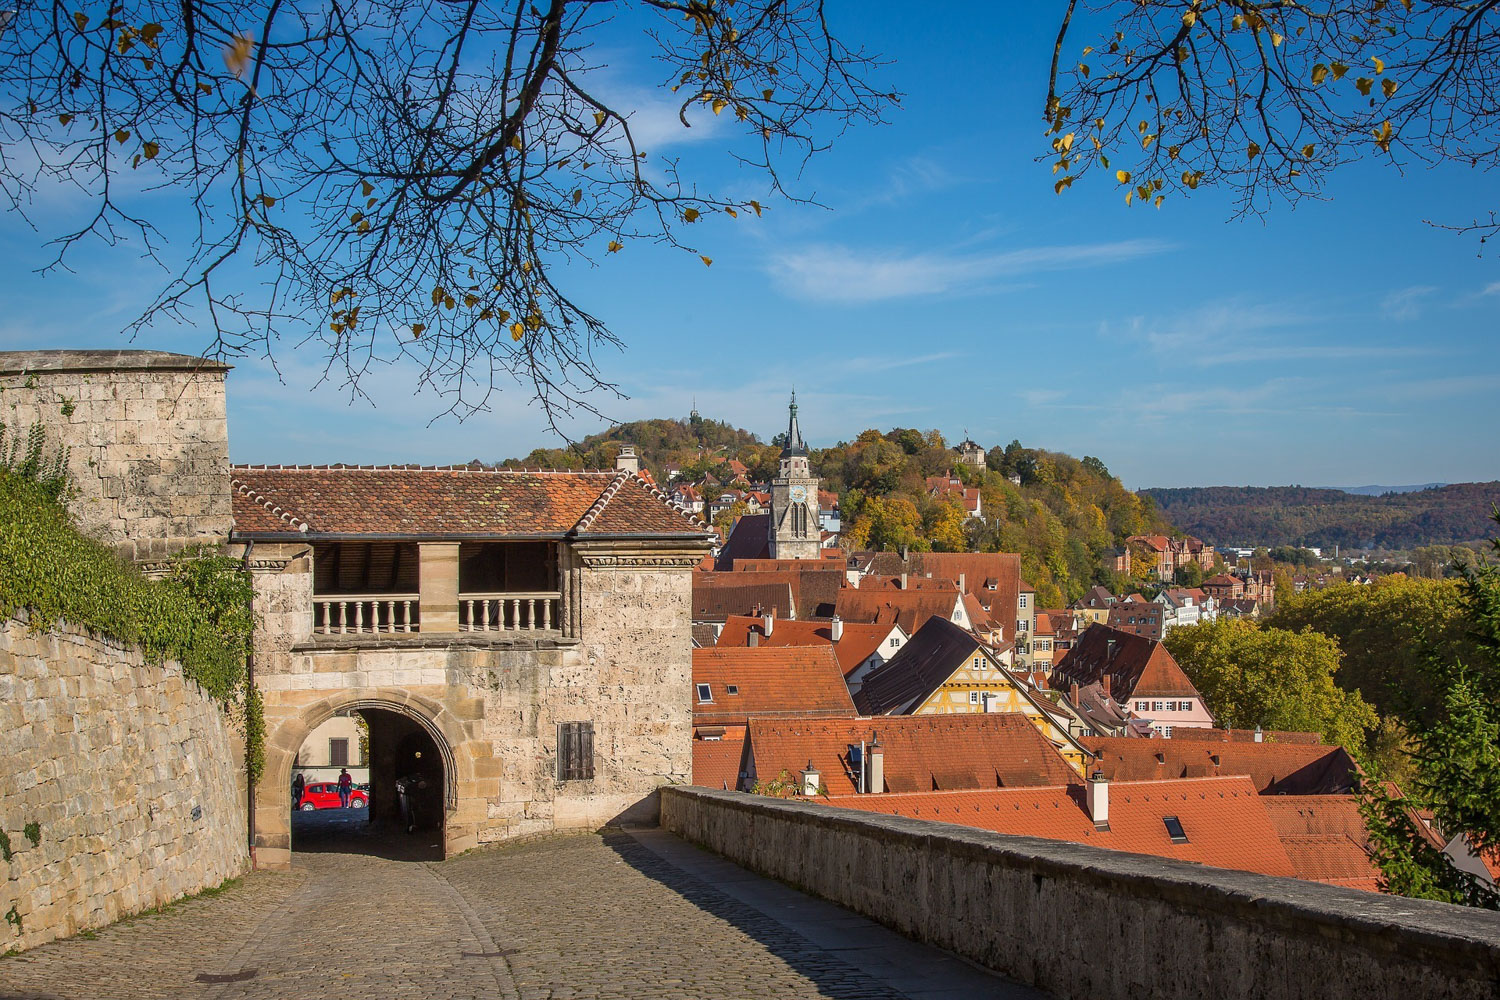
795, 533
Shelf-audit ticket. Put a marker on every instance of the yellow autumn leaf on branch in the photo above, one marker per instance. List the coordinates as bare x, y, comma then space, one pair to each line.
615, 245
1252, 151
417, 328
515, 141
599, 117
1363, 85
1189, 19
690, 215
1308, 150
1379, 64
1123, 176
1383, 137
1319, 74
237, 53
1388, 87
517, 331
707, 261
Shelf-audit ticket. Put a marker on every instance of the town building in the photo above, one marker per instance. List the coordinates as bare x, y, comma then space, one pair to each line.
1129, 677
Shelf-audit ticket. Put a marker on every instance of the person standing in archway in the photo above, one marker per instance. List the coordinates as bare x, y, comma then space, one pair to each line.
298, 784
346, 786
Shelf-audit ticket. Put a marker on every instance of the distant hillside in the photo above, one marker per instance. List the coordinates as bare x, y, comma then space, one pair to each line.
1295, 515
1062, 516
1375, 491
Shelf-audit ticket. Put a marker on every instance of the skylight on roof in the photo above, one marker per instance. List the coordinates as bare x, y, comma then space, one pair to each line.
1174, 829
705, 693
731, 689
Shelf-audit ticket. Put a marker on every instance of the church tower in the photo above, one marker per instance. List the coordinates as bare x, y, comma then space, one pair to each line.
795, 533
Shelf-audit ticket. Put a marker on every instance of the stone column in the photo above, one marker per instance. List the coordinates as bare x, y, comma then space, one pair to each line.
439, 586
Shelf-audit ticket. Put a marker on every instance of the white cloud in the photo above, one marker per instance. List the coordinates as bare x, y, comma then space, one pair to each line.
838, 273
1405, 304
1493, 288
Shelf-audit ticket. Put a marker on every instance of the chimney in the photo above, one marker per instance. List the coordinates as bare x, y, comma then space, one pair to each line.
1105, 681
903, 579
1096, 794
836, 628
1073, 693
768, 622
875, 754
754, 638
1260, 736
627, 461
812, 780
961, 588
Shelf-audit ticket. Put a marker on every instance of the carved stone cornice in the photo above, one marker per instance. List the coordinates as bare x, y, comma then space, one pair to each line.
640, 560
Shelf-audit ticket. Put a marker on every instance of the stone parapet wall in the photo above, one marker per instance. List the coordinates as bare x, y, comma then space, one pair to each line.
147, 441
133, 778
1083, 922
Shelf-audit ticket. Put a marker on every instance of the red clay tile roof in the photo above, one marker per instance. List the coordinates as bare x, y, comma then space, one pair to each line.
1137, 666
450, 502
1332, 859
859, 640
908, 608
1224, 820
719, 596
922, 752
1205, 735
716, 763
815, 583
1274, 768
769, 682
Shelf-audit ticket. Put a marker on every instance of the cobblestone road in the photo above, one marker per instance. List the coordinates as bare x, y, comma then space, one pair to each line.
638, 915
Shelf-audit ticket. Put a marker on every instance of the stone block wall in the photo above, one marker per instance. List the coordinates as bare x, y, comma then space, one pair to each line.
1092, 924
130, 772
147, 439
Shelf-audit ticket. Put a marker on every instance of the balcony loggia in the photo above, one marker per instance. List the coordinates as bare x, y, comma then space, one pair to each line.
393, 589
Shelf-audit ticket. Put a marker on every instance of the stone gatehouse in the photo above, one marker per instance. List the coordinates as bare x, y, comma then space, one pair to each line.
519, 639
530, 628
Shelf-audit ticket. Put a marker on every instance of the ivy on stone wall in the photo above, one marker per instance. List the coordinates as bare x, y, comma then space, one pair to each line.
199, 615
255, 734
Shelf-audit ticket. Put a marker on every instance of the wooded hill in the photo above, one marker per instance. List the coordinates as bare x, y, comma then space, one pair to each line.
1295, 515
1062, 518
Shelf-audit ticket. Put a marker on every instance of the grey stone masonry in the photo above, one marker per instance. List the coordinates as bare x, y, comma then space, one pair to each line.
125, 772
146, 435
1083, 922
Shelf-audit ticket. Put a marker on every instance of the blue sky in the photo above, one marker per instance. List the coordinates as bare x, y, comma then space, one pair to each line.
942, 284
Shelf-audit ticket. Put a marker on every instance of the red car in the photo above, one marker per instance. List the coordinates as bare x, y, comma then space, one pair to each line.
325, 795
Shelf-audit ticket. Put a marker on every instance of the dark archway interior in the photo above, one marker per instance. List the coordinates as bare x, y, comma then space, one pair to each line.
402, 755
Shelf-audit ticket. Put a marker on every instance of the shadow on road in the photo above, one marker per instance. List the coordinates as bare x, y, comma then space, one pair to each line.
351, 831
834, 976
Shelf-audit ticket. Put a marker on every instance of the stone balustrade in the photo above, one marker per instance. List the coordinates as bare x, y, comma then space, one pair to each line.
1084, 922
366, 614
516, 612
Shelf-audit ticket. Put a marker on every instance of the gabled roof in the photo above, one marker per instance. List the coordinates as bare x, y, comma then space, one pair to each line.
908, 608
1274, 768
716, 762
1224, 820
1137, 666
920, 667
716, 599
815, 583
450, 502
776, 681
750, 538
1326, 838
857, 643
922, 752
1206, 735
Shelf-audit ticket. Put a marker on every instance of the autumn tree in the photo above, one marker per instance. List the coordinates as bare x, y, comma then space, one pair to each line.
1255, 676
404, 178
1267, 98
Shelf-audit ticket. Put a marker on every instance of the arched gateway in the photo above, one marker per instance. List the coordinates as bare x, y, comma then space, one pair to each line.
533, 625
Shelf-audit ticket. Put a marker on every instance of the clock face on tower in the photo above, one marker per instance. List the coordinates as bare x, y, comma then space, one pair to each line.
798, 494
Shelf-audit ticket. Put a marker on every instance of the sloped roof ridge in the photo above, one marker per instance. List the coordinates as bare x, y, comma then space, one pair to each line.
666, 498
414, 467
276, 510
592, 514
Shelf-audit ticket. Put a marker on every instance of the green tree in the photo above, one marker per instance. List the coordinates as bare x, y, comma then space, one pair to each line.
1188, 575
1249, 676
1457, 758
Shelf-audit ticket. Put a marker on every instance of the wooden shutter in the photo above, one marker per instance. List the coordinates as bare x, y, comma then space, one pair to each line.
575, 751
338, 753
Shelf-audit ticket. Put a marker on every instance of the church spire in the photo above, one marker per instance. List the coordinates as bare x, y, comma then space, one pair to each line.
794, 445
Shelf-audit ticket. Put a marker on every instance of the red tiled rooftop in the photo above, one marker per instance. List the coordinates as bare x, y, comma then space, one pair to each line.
908, 608
716, 762
858, 642
454, 501
786, 681
1223, 818
1274, 768
922, 752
